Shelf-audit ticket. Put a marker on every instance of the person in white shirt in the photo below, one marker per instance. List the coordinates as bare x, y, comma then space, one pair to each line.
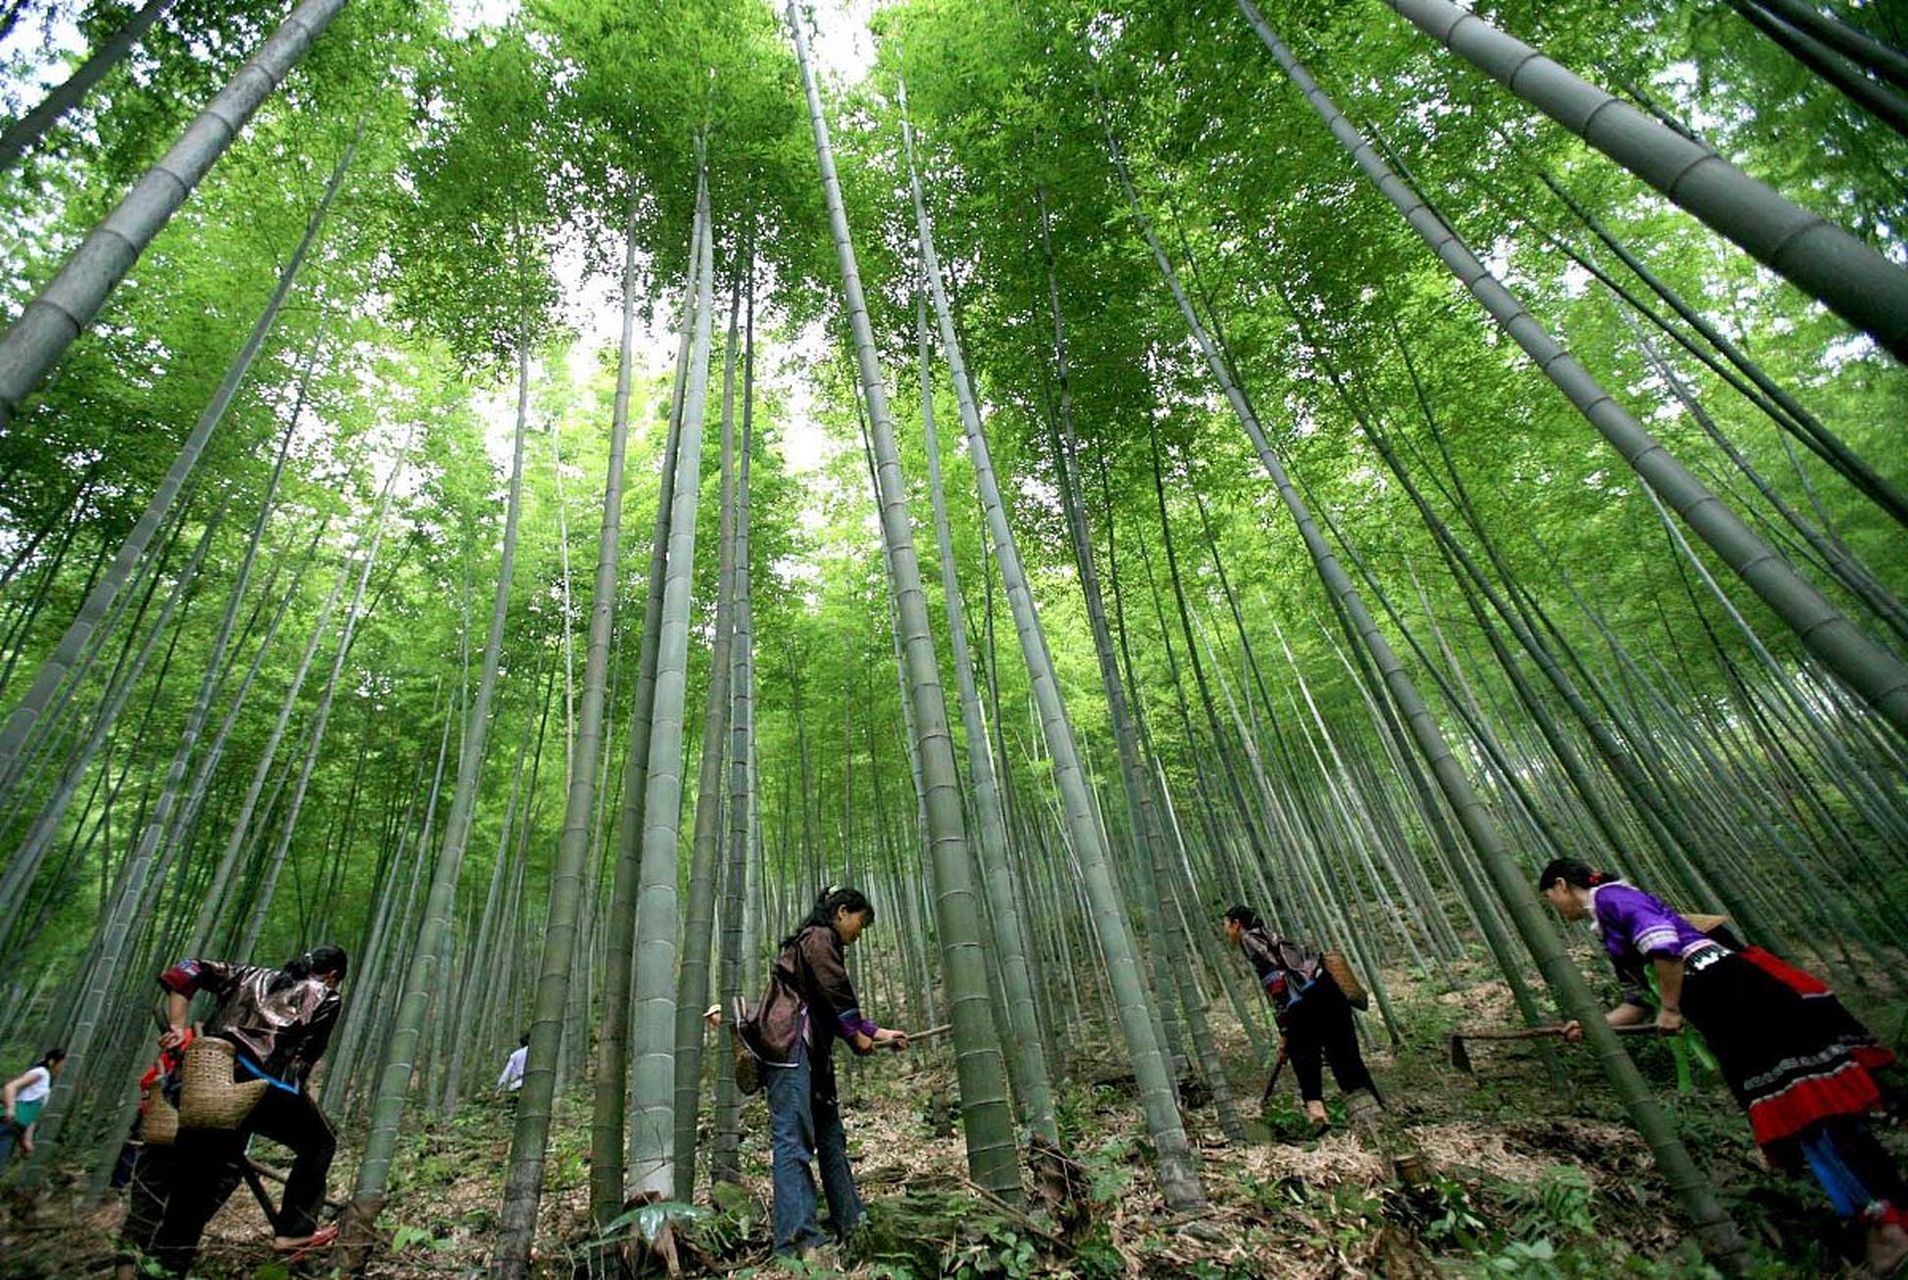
22, 1099
512, 1078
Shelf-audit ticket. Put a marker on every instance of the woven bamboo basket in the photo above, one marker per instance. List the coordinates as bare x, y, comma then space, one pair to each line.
748, 1068
1340, 968
162, 1119
209, 1098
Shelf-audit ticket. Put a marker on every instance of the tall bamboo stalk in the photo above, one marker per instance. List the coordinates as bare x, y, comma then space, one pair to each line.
987, 1115
1845, 274
724, 1161
653, 1078
1693, 1189
692, 989
608, 1136
37, 339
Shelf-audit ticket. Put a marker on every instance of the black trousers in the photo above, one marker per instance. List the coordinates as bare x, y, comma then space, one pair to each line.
1319, 1025
206, 1166
153, 1178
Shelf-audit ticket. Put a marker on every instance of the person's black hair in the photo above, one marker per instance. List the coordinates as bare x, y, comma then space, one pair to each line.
1245, 917
523, 1041
1572, 872
323, 958
50, 1057
831, 902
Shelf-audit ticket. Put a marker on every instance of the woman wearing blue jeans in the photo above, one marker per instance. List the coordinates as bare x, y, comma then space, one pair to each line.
810, 1004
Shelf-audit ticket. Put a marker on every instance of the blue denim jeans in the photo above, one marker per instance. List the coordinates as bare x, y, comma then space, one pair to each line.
805, 1126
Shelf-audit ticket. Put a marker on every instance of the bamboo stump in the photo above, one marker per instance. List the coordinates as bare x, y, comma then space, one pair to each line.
1368, 1118
358, 1235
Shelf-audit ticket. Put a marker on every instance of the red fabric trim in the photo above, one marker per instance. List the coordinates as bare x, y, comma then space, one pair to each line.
1873, 1057
168, 1061
182, 978
1848, 1090
1798, 980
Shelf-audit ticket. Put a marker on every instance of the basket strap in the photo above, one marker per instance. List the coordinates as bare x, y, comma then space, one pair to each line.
258, 1073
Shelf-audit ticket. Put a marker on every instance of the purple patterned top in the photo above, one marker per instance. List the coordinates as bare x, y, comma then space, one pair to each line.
1636, 925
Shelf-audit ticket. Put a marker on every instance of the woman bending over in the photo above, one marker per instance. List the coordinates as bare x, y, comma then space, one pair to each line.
1797, 1062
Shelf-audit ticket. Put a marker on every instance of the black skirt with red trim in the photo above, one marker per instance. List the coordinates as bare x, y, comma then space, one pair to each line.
1791, 1054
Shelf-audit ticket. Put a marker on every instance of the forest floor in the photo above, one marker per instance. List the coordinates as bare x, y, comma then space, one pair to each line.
1522, 1179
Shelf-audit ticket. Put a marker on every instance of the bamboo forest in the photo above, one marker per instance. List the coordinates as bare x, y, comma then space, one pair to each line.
1287, 615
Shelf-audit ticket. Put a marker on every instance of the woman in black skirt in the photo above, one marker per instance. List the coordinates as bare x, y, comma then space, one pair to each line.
1795, 1059
1315, 1019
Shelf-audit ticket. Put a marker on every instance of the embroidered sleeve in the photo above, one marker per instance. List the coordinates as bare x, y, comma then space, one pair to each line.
1653, 928
190, 976
1646, 924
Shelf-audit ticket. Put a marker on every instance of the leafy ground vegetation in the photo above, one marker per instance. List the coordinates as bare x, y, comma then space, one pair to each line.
1519, 1181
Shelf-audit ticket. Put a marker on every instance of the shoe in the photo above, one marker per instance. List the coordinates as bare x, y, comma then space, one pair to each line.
1321, 1122
298, 1250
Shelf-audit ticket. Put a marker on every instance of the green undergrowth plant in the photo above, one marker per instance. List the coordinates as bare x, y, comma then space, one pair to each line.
1557, 1204
1110, 1168
1559, 1227
925, 1235
735, 1224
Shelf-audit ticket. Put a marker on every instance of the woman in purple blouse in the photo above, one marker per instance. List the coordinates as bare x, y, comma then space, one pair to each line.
1795, 1060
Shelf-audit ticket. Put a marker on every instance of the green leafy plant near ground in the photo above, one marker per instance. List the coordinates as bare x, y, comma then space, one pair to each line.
1547, 1228
1450, 1217
736, 1220
407, 1236
1558, 1203
1110, 1168
1287, 1120
923, 1235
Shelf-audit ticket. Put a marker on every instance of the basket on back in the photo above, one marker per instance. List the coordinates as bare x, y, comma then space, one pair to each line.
1340, 968
162, 1118
748, 1067
209, 1098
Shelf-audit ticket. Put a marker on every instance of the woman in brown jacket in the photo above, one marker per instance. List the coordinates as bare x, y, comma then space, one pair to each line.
810, 1004
279, 1022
